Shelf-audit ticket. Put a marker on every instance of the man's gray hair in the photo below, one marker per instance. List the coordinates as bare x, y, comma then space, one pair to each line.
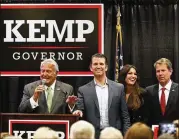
50, 61
82, 130
111, 133
45, 133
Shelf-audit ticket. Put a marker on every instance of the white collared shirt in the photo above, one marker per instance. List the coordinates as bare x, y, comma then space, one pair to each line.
102, 95
167, 91
35, 104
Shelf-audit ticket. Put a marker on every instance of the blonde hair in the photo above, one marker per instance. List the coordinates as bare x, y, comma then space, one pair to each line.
164, 61
12, 137
82, 130
6, 135
139, 131
110, 133
45, 133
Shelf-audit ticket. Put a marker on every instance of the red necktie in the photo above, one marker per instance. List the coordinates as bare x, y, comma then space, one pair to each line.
162, 101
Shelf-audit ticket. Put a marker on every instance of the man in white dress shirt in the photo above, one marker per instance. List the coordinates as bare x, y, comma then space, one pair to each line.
47, 95
163, 98
101, 101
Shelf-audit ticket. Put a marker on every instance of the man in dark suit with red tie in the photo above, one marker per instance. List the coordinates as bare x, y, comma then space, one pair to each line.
163, 98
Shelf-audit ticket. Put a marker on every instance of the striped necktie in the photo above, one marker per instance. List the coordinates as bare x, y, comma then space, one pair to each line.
49, 98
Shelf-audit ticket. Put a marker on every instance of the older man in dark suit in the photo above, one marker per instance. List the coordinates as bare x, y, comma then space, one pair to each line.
47, 95
101, 101
163, 98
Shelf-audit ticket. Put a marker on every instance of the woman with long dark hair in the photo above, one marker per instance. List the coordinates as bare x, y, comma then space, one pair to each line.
134, 94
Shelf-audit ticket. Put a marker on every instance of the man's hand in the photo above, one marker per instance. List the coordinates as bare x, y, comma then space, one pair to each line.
71, 100
78, 112
38, 90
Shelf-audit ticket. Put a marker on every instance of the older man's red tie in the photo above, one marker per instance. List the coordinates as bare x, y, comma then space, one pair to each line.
162, 101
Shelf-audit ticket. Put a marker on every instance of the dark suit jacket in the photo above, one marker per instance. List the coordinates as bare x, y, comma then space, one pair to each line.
59, 106
117, 113
155, 113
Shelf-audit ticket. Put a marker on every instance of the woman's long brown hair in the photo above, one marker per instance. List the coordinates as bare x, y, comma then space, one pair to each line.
134, 101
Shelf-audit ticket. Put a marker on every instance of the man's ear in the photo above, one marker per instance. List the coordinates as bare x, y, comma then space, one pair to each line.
90, 68
106, 68
171, 70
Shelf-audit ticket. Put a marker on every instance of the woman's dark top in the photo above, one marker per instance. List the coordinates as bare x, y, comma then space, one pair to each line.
140, 114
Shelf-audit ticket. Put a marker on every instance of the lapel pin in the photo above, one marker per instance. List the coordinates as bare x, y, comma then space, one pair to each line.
173, 90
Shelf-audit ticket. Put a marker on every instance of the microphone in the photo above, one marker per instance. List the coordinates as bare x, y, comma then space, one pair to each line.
43, 81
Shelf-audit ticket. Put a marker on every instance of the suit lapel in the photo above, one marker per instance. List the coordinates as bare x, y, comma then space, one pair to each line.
58, 95
172, 96
156, 98
110, 93
94, 94
43, 101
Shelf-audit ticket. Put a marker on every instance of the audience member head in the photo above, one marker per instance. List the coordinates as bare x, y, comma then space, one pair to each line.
129, 77
110, 133
166, 136
82, 130
176, 122
164, 70
45, 133
12, 137
6, 135
48, 71
139, 131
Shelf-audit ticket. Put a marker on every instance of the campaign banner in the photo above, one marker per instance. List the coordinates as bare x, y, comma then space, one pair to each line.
68, 33
26, 128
